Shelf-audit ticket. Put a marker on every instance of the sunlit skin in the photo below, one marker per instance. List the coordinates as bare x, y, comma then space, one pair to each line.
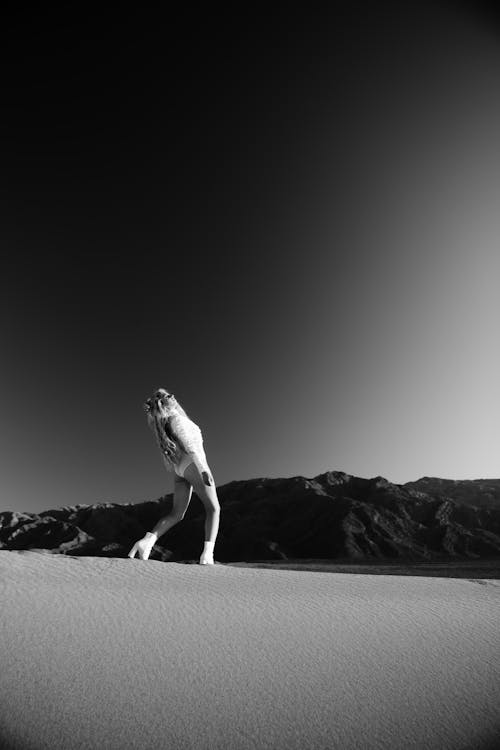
181, 444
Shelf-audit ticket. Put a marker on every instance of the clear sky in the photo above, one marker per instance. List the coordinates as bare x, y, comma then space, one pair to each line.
292, 223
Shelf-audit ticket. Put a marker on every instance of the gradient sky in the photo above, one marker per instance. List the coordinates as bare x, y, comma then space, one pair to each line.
291, 223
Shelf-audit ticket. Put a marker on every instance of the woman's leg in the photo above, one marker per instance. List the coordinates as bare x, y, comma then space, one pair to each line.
204, 486
182, 496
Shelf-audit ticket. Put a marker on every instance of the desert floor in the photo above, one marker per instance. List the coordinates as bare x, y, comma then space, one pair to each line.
111, 653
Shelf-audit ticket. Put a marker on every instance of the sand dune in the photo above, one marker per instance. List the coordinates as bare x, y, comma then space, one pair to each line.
117, 653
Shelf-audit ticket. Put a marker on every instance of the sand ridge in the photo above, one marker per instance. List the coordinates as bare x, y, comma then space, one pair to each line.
116, 653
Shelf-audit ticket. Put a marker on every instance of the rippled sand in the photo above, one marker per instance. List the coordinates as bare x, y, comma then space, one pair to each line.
118, 653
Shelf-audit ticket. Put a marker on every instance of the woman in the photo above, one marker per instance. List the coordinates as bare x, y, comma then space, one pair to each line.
181, 443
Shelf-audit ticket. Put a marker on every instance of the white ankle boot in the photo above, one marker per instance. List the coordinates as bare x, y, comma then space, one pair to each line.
207, 556
144, 546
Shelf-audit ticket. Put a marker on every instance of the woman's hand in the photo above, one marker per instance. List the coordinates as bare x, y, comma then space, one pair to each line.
144, 546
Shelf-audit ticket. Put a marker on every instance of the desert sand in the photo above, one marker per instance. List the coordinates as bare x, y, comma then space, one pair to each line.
117, 653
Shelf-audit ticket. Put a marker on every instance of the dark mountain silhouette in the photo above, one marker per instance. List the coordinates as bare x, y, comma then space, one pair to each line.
481, 493
331, 516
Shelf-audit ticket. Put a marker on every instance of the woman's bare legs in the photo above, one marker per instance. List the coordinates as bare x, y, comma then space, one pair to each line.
182, 496
203, 484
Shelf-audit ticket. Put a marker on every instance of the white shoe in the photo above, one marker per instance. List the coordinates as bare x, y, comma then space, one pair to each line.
207, 560
144, 546
207, 556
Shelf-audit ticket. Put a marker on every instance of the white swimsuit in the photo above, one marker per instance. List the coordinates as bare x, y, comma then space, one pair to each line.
185, 461
190, 437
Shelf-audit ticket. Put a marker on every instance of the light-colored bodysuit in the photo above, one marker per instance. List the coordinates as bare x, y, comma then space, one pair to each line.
188, 444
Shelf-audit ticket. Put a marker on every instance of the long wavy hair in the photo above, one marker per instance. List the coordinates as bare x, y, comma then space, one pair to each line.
159, 408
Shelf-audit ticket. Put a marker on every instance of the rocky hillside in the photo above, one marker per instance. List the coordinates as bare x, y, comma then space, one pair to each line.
333, 515
481, 493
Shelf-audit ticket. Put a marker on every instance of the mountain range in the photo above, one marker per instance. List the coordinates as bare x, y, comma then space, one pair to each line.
331, 516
